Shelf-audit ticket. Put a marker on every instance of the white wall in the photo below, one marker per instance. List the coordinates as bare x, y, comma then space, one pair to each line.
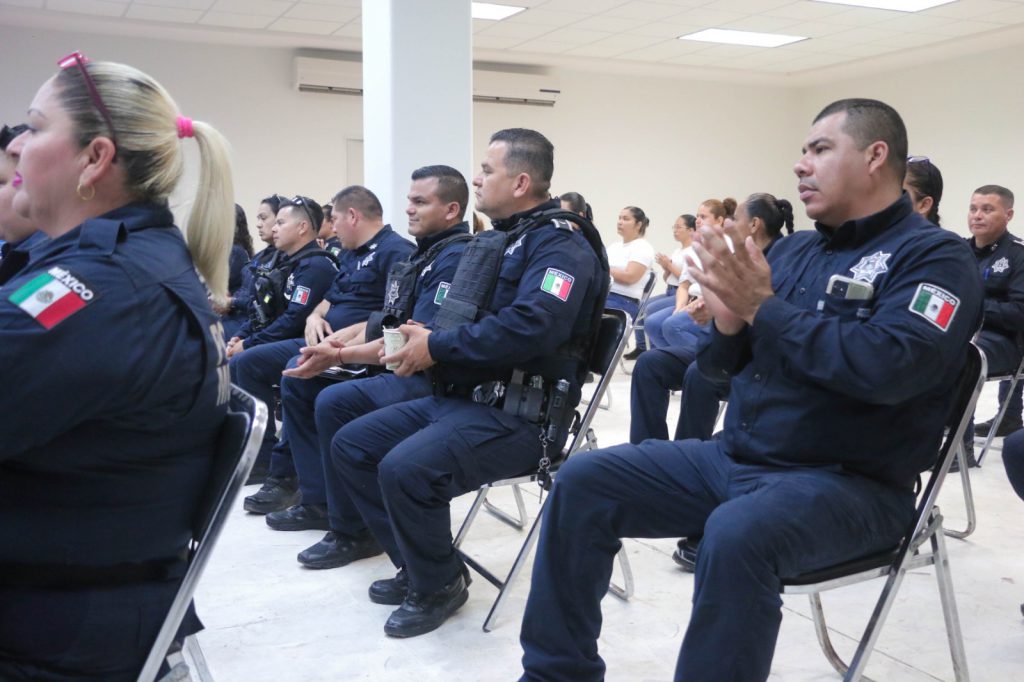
966, 114
661, 144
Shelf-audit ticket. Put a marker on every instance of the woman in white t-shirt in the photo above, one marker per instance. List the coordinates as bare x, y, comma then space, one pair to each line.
675, 273
629, 263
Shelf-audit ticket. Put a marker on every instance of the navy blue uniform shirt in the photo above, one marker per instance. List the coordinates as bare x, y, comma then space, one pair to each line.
821, 380
304, 290
115, 389
358, 290
237, 261
16, 255
240, 299
544, 296
436, 276
1001, 265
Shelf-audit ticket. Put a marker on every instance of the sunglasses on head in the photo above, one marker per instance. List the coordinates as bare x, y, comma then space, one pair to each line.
78, 59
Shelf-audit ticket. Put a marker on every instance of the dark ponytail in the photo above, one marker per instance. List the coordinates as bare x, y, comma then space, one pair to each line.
275, 201
776, 214
639, 216
577, 204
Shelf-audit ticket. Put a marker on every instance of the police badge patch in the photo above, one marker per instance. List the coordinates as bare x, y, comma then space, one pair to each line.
393, 293
1001, 265
871, 267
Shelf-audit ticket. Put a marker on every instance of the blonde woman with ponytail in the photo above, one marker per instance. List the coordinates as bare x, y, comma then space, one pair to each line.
114, 376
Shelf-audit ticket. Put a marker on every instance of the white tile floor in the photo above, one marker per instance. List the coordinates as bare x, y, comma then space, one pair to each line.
269, 619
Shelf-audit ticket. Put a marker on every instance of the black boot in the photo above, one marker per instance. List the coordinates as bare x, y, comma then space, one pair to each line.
337, 550
421, 613
300, 517
390, 591
686, 553
275, 494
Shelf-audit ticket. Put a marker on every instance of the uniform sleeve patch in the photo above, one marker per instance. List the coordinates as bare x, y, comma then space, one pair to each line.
300, 295
442, 292
934, 304
557, 283
53, 296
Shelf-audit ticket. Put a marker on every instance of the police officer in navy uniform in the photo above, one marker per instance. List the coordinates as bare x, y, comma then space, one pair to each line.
114, 374
327, 239
1000, 260
842, 348
497, 362
307, 271
315, 408
18, 234
370, 248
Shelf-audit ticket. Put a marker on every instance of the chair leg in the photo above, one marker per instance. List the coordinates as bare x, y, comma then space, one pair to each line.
517, 567
626, 591
949, 611
516, 522
193, 654
874, 627
997, 421
478, 502
821, 630
965, 480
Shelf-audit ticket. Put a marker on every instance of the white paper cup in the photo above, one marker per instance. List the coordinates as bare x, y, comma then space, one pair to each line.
393, 342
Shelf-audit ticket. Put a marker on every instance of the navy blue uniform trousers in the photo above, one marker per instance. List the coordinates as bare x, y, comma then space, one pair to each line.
257, 370
316, 409
660, 371
403, 464
1003, 357
759, 523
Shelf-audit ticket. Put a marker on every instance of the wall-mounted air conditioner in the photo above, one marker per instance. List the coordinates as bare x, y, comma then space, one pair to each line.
345, 77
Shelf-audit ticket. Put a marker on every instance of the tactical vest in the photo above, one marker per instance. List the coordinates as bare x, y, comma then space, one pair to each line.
269, 301
475, 278
399, 300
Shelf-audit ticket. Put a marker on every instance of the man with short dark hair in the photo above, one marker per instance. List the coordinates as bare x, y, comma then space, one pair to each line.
1000, 260
506, 351
370, 248
315, 408
842, 346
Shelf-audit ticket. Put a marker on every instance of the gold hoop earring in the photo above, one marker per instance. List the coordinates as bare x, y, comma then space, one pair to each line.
78, 191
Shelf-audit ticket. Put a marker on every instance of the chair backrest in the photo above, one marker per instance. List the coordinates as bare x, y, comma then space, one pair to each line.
652, 279
611, 342
238, 444
968, 388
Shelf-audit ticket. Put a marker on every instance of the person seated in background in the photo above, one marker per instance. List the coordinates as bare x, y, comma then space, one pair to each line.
238, 308
18, 234
314, 408
115, 385
574, 201
838, 400
630, 261
761, 217
238, 271
1000, 260
327, 239
674, 272
288, 293
369, 250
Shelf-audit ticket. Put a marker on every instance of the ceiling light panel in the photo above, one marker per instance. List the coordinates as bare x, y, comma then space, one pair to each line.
489, 10
734, 37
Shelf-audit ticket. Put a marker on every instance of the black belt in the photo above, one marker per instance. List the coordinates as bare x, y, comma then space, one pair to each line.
66, 576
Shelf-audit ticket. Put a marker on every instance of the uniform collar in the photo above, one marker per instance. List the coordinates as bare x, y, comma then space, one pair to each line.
424, 243
372, 243
852, 233
25, 244
986, 250
506, 224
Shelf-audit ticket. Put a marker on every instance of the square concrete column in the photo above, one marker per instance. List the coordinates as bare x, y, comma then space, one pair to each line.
417, 94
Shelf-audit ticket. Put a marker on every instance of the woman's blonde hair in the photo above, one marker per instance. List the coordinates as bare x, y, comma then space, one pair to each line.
149, 150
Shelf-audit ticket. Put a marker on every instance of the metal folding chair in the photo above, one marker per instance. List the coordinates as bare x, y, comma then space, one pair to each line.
910, 555
641, 314
1013, 379
610, 344
240, 439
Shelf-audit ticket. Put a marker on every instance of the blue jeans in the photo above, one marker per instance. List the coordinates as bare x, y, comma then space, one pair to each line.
658, 310
760, 524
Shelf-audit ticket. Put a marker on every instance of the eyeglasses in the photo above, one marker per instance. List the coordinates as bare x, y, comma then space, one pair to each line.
918, 159
79, 59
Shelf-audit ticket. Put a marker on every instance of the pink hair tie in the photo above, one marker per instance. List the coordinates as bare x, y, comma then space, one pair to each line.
185, 127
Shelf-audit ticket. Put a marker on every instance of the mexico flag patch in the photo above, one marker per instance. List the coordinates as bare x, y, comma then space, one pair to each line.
300, 295
935, 304
53, 296
557, 283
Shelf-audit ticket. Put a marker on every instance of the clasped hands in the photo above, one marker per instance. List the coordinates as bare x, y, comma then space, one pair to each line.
734, 283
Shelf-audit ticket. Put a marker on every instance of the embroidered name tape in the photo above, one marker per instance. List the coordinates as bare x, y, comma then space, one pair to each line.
557, 283
934, 304
53, 296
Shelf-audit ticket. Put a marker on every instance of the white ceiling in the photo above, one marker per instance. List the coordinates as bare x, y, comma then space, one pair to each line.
620, 35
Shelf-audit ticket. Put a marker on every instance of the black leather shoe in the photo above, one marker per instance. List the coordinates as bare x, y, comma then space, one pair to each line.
633, 354
300, 517
337, 550
258, 474
274, 495
390, 591
422, 613
1006, 427
686, 553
